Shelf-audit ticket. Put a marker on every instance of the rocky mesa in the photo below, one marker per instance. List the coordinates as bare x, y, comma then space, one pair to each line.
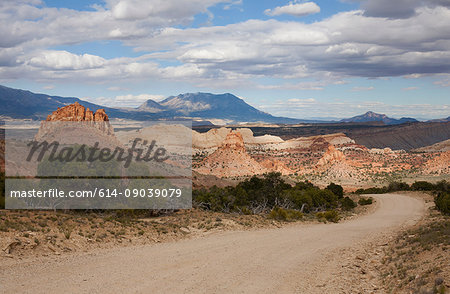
76, 124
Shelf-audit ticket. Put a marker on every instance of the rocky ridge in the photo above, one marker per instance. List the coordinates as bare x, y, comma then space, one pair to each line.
438, 147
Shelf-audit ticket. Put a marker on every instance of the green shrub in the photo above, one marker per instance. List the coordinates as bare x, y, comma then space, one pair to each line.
365, 201
304, 185
442, 186
347, 203
336, 189
372, 190
278, 214
397, 186
422, 186
442, 201
262, 194
330, 215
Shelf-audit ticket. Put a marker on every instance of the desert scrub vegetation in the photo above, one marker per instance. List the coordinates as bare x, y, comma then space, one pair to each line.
441, 186
441, 191
330, 215
365, 201
279, 213
347, 203
271, 195
442, 201
418, 261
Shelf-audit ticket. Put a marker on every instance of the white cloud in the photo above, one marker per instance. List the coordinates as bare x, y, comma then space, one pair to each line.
233, 4
31, 25
124, 100
410, 88
309, 86
297, 100
413, 76
139, 98
116, 88
295, 9
65, 60
220, 56
171, 10
339, 45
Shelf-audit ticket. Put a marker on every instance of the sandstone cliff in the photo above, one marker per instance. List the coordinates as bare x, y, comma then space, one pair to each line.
214, 138
331, 156
231, 159
74, 124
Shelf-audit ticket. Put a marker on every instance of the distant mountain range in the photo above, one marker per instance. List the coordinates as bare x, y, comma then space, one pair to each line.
202, 107
211, 106
441, 120
25, 104
372, 117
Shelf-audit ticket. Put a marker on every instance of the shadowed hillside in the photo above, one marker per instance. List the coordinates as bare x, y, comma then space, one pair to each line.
372, 135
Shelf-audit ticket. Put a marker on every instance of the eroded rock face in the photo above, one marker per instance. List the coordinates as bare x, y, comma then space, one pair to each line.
331, 155
231, 159
77, 112
335, 165
234, 140
85, 124
100, 115
214, 138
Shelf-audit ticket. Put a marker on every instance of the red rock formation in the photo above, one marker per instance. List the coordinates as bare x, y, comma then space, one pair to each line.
234, 140
439, 164
276, 166
77, 112
90, 115
100, 115
84, 121
231, 159
331, 155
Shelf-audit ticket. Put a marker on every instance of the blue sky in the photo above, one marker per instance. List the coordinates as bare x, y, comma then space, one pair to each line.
303, 59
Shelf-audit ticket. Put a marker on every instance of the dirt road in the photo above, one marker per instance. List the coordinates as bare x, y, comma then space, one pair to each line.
294, 259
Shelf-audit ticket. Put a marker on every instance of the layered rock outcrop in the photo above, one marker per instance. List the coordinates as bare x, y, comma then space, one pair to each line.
332, 155
73, 124
77, 112
231, 159
214, 138
335, 165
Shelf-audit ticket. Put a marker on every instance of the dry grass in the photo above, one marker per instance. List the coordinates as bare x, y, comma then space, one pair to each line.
46, 232
418, 261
